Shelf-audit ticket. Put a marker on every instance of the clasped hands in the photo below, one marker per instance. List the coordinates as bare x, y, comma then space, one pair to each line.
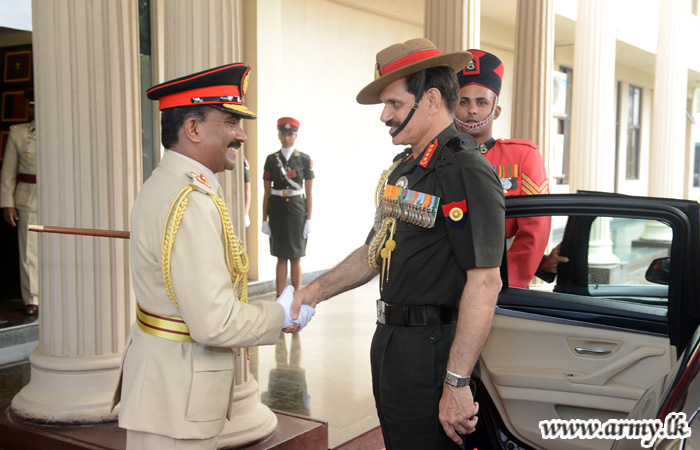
303, 300
293, 323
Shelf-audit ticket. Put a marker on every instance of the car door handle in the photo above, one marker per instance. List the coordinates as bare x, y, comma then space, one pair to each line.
602, 375
592, 351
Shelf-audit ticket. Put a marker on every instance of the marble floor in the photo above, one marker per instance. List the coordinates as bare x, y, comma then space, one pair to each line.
323, 372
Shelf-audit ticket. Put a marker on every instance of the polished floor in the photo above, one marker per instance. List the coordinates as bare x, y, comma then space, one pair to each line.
323, 372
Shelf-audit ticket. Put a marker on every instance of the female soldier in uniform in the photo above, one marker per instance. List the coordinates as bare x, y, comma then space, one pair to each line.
287, 203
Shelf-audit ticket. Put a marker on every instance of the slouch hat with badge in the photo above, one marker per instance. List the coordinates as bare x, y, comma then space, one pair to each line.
222, 87
401, 60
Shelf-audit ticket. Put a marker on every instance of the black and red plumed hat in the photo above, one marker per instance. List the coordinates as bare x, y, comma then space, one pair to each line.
484, 69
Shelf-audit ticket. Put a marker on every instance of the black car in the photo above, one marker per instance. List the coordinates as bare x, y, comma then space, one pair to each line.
612, 340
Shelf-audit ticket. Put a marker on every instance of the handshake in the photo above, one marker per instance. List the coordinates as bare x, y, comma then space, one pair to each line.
305, 312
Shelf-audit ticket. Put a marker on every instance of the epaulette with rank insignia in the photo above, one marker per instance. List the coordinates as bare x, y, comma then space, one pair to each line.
402, 155
462, 141
200, 182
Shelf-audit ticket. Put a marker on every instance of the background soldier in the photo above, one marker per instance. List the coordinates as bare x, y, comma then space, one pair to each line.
288, 203
18, 198
517, 162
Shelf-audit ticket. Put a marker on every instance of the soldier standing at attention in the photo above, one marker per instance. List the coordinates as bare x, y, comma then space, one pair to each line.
18, 198
287, 203
517, 162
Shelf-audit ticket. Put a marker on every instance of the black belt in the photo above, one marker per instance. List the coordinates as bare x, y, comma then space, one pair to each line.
415, 315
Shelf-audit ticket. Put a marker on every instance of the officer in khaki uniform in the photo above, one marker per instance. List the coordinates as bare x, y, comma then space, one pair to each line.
178, 364
19, 202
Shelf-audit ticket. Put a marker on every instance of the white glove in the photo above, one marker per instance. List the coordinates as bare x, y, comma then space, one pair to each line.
266, 228
307, 228
247, 221
305, 313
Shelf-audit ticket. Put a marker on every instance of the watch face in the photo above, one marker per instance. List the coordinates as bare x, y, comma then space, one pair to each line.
456, 381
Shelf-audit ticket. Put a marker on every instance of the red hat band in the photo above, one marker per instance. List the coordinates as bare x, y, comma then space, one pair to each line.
202, 96
405, 60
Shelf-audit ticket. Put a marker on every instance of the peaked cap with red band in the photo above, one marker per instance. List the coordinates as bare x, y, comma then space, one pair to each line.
288, 124
401, 60
484, 69
221, 87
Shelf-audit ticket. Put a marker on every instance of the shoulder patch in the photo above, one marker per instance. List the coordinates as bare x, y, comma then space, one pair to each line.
518, 142
201, 182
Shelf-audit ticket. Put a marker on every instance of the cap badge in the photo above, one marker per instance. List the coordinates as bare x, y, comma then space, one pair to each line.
287, 126
377, 73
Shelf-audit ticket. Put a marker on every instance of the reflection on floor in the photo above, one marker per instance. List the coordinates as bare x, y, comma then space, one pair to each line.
323, 372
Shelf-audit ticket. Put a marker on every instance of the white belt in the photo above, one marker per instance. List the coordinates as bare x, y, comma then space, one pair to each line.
287, 192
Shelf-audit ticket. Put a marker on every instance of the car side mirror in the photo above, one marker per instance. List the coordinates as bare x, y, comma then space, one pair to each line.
659, 271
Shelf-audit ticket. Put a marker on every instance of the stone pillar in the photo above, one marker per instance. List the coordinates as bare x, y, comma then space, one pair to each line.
534, 57
667, 175
201, 34
89, 170
453, 25
592, 116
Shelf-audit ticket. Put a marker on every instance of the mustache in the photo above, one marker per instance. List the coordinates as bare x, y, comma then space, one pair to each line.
392, 123
235, 144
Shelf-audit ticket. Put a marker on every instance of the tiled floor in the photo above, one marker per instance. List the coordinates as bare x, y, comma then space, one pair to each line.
323, 372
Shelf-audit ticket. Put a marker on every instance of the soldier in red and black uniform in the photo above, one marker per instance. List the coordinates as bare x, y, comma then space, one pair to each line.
517, 162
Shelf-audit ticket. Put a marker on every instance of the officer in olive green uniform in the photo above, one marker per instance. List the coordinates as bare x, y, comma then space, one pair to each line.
437, 244
287, 203
18, 198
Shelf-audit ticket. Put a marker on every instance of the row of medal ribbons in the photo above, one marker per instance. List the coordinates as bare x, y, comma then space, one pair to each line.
417, 208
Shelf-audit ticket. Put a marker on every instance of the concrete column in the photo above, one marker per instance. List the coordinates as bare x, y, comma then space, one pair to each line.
200, 34
453, 25
592, 116
89, 170
534, 57
667, 175
667, 154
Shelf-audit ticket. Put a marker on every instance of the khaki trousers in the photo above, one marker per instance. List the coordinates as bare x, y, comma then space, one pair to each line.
28, 256
138, 440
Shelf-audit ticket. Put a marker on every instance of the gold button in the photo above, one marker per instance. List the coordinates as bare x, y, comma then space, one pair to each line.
287, 200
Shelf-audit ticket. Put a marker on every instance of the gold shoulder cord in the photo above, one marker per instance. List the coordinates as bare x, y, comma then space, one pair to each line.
387, 224
236, 257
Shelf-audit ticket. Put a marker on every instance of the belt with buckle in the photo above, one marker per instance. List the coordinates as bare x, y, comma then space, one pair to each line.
287, 192
27, 178
415, 315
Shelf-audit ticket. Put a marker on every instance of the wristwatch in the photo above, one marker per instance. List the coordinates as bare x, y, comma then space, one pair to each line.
455, 380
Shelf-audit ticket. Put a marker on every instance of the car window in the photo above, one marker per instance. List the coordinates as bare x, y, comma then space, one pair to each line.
617, 258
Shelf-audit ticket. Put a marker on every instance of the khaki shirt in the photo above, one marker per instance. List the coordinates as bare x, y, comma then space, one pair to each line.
183, 389
19, 157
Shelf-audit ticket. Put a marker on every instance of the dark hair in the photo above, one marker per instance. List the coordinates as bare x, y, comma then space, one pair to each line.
443, 78
172, 120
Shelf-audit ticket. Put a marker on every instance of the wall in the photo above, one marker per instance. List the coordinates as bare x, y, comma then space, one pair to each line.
313, 57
